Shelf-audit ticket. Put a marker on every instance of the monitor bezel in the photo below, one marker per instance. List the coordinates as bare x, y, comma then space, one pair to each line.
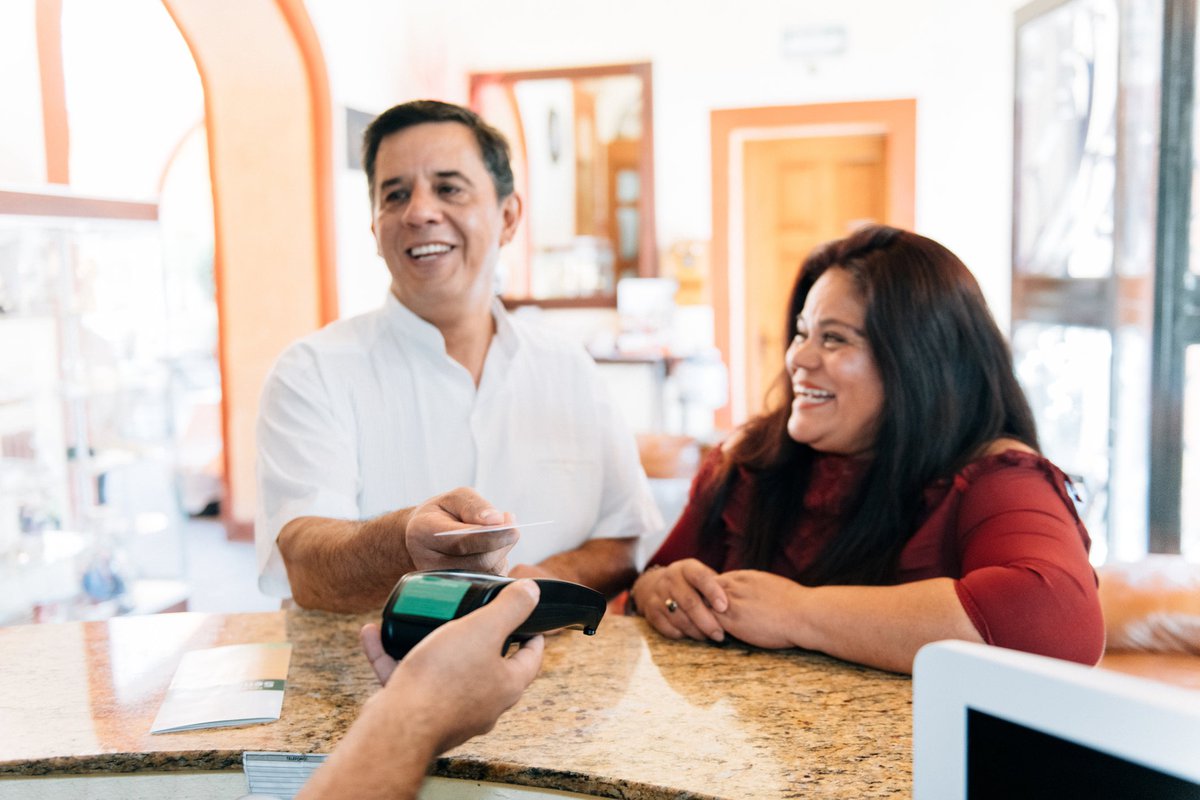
1146, 722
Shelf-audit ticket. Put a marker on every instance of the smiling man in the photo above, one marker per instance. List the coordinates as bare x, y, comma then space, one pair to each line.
439, 411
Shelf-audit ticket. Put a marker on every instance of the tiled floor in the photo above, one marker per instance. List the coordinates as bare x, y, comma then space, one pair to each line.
221, 573
160, 567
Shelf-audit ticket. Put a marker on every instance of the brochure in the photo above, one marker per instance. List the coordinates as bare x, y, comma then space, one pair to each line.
222, 686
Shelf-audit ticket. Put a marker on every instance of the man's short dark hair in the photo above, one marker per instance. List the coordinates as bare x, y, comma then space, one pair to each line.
492, 144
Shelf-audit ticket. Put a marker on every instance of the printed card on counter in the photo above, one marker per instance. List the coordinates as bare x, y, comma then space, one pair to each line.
238, 684
280, 775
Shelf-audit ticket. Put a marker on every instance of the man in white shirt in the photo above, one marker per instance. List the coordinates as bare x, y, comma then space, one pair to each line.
367, 427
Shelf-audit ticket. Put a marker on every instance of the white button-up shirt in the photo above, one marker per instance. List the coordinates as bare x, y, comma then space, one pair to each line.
370, 415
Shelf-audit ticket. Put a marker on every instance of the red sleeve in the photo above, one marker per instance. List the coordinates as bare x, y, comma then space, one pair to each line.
1027, 583
684, 539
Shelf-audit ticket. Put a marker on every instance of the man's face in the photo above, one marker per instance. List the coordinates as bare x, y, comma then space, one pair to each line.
437, 221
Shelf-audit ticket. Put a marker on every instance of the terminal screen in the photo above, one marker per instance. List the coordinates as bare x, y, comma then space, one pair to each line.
1007, 760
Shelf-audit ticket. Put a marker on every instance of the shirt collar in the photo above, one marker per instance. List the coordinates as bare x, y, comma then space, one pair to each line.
506, 337
425, 334
412, 328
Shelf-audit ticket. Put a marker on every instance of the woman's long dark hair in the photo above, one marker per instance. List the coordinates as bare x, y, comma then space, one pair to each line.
949, 391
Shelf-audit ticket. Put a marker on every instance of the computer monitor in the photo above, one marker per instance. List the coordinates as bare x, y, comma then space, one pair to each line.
995, 723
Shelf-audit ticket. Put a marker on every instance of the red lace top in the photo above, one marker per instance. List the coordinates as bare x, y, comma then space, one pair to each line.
1005, 528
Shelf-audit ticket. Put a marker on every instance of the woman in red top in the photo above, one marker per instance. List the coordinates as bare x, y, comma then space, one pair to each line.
896, 497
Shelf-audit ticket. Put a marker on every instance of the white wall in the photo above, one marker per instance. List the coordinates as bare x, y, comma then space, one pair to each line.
22, 146
365, 47
133, 94
953, 56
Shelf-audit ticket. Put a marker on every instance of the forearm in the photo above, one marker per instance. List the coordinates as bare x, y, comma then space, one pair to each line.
606, 565
881, 626
385, 755
343, 565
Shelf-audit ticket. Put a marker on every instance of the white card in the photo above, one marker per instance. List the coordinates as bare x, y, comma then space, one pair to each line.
492, 528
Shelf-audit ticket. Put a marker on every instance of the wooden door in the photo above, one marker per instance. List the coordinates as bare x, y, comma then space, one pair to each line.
623, 198
798, 193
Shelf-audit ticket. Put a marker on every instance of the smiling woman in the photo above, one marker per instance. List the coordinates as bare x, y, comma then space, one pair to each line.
839, 521
838, 391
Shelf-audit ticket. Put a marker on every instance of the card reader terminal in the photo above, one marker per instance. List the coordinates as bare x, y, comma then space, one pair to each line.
424, 600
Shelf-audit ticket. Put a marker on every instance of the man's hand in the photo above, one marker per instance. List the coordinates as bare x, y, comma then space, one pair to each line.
346, 566
455, 683
384, 665
371, 639
460, 508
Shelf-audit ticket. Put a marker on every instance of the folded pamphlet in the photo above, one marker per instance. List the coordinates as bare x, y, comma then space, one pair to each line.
218, 687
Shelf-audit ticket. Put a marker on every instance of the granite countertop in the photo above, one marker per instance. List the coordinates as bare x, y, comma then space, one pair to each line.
625, 714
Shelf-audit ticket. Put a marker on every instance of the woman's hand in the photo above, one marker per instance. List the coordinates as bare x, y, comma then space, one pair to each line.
764, 609
679, 600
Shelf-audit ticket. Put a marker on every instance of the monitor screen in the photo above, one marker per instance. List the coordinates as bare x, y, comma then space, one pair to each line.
1006, 760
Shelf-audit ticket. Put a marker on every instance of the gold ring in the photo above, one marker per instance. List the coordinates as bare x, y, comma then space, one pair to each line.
671, 605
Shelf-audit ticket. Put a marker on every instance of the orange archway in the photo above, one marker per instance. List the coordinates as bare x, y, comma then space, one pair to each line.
267, 114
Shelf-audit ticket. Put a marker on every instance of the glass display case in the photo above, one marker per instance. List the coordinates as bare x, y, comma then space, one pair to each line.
90, 519
1066, 372
1191, 455
1086, 164
1189, 302
1106, 239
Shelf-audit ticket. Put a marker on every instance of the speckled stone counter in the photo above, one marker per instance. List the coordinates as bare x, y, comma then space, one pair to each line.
623, 714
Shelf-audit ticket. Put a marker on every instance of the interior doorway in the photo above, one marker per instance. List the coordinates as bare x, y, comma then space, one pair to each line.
784, 180
798, 193
267, 104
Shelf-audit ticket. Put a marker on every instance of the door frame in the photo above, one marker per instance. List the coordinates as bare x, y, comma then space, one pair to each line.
730, 129
1176, 287
267, 104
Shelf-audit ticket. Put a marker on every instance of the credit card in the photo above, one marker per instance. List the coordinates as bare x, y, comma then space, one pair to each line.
491, 528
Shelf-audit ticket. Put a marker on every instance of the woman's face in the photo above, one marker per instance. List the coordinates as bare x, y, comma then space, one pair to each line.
838, 391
